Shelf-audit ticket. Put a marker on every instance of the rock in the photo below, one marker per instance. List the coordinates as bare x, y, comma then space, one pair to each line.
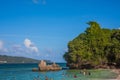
43, 67
35, 69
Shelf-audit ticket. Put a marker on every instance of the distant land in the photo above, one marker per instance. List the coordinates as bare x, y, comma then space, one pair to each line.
16, 59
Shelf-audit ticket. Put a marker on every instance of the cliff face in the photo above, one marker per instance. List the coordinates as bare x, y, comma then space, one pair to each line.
43, 67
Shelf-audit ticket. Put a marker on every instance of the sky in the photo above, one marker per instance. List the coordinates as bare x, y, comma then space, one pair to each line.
41, 29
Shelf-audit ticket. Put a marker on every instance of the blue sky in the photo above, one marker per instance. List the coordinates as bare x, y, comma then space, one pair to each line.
41, 29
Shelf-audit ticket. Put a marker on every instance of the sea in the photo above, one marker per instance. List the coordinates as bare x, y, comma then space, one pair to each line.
24, 72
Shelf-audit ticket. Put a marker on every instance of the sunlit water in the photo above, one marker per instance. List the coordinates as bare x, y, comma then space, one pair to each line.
24, 72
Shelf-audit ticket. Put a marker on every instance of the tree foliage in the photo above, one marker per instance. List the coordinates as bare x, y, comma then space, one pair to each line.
95, 46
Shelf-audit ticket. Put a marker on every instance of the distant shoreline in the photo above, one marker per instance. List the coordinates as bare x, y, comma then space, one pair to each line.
31, 63
18, 63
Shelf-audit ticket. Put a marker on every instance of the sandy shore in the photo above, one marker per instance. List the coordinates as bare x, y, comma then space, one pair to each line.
118, 72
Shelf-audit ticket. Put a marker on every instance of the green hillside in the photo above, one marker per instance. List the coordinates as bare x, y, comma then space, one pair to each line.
14, 59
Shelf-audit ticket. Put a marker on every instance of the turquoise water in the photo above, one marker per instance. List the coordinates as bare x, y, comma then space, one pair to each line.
24, 72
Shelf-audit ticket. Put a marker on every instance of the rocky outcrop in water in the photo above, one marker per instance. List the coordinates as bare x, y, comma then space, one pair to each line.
44, 67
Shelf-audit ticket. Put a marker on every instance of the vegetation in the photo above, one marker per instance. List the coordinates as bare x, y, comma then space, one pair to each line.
16, 59
94, 47
11, 59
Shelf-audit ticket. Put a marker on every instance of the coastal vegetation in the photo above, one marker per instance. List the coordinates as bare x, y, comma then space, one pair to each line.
15, 59
94, 48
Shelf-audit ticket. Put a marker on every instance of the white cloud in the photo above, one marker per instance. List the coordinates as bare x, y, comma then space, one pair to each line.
2, 49
34, 49
119, 28
17, 48
28, 44
1, 44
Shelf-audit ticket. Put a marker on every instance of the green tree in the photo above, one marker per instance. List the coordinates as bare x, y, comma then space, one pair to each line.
95, 46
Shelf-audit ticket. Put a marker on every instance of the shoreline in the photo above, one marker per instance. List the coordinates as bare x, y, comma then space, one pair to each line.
117, 71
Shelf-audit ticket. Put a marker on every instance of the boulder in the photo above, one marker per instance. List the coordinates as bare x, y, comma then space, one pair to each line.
43, 67
35, 69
